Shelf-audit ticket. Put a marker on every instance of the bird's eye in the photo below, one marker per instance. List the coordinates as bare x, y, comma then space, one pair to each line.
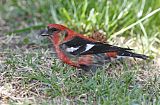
51, 30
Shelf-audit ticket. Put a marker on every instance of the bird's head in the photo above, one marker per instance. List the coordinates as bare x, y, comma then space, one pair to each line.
53, 29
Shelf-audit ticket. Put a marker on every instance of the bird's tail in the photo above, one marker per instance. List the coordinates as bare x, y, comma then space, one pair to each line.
131, 54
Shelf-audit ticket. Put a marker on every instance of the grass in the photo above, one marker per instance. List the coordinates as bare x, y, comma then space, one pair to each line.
30, 74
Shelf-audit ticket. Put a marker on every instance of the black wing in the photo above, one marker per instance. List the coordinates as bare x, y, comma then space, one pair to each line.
81, 46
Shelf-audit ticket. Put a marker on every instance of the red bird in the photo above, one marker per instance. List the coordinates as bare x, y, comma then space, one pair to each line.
82, 52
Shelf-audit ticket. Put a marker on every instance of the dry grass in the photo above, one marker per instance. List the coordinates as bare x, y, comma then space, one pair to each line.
18, 87
29, 73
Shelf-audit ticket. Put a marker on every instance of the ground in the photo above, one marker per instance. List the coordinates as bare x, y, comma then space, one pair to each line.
30, 74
